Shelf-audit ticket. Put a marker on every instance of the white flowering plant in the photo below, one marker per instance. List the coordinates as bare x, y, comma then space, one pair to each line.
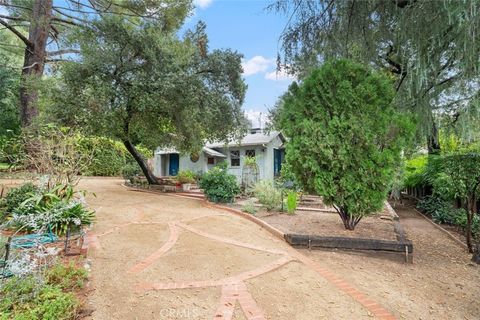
55, 209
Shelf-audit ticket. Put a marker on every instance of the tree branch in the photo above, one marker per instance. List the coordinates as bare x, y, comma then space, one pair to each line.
60, 52
12, 18
27, 42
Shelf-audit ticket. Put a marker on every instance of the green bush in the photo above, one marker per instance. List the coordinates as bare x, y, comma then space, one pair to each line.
414, 171
441, 210
345, 136
57, 208
25, 298
292, 199
109, 157
186, 176
131, 170
269, 196
218, 185
15, 197
249, 207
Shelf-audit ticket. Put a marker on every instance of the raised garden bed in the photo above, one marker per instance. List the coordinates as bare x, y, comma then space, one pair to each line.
315, 225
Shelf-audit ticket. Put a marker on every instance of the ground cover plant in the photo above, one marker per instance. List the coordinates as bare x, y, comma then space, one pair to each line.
46, 296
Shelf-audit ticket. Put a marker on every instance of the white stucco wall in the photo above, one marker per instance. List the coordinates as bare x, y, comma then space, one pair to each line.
264, 155
187, 164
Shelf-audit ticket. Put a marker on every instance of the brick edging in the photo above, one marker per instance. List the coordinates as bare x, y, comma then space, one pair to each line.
277, 233
261, 223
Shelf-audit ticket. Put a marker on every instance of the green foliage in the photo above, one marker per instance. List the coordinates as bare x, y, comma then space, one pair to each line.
109, 157
249, 207
24, 298
167, 90
433, 71
9, 89
58, 209
186, 176
345, 136
66, 276
414, 171
441, 210
129, 171
219, 185
269, 196
15, 197
292, 199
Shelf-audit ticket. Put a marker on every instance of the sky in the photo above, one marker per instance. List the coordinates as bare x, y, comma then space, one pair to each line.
244, 26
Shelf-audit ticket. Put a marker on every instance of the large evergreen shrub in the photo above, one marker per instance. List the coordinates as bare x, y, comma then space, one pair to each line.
345, 136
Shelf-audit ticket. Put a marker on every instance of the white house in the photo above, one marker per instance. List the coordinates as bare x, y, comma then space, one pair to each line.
268, 149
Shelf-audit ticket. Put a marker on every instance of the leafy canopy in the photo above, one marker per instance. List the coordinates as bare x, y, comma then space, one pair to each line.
429, 47
345, 136
142, 83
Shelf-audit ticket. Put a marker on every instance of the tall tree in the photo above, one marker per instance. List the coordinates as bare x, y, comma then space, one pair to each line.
142, 84
42, 24
431, 48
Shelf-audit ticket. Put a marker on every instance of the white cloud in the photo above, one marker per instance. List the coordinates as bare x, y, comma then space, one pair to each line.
202, 4
255, 65
259, 119
3, 10
281, 75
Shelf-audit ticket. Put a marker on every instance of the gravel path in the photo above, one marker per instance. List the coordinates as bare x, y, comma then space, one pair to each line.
442, 283
166, 257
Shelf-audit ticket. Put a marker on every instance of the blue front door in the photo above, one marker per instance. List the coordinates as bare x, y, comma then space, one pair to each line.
174, 163
277, 161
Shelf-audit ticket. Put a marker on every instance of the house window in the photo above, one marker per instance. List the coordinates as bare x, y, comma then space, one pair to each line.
250, 153
235, 158
210, 160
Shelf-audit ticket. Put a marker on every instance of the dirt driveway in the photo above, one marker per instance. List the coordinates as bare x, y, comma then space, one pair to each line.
166, 257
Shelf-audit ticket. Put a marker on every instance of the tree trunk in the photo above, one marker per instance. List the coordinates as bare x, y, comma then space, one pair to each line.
433, 141
141, 162
34, 60
349, 221
468, 232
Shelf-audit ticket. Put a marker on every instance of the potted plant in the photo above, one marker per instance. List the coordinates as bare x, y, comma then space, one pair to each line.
186, 178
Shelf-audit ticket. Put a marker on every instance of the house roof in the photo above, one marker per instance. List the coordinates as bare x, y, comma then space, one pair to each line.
213, 153
208, 151
251, 139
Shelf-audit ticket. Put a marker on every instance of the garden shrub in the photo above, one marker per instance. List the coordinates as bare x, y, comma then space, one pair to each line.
129, 171
414, 171
345, 136
269, 196
249, 207
218, 185
15, 197
110, 157
292, 197
441, 211
186, 176
57, 208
